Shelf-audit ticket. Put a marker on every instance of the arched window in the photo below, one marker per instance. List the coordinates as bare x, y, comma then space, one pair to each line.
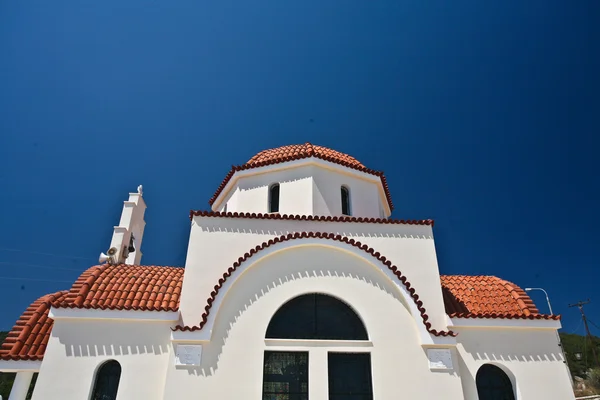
274, 198
107, 381
345, 201
493, 384
316, 316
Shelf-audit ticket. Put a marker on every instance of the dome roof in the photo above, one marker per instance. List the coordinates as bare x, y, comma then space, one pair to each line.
298, 151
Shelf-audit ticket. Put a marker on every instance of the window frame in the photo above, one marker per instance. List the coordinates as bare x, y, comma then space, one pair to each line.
312, 312
292, 395
508, 384
319, 350
368, 369
98, 373
345, 190
272, 187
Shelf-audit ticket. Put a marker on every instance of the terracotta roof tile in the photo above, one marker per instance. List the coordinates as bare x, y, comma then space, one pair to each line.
126, 287
487, 297
29, 337
320, 218
298, 152
129, 287
294, 151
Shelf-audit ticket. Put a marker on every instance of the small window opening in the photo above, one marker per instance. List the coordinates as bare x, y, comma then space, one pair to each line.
345, 201
107, 381
493, 384
274, 198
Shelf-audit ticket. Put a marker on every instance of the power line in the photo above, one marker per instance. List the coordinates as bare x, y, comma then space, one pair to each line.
40, 266
578, 326
592, 322
32, 279
45, 254
580, 305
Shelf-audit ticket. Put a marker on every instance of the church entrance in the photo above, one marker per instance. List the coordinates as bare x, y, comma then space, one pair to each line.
322, 325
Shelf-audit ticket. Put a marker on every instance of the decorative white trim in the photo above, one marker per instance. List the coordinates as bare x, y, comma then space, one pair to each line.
340, 346
504, 323
199, 336
301, 163
438, 341
317, 343
426, 337
20, 366
82, 313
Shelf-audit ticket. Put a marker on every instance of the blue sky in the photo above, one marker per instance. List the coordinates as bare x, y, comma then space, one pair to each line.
484, 116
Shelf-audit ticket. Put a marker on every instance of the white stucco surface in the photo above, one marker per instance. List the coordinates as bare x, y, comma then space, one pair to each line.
238, 338
307, 187
216, 243
530, 357
233, 338
78, 348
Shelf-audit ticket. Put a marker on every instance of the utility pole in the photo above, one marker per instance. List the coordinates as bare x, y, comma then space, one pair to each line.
580, 305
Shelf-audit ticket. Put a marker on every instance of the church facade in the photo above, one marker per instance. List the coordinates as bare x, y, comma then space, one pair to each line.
297, 285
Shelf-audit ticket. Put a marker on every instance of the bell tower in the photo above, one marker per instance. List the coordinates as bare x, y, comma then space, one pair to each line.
126, 243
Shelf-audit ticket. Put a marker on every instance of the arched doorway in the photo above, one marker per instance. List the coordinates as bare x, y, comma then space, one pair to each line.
319, 318
493, 384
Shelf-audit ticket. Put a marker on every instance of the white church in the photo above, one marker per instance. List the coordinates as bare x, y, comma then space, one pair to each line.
297, 286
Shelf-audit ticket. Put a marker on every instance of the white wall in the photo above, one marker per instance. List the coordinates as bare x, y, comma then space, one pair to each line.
364, 195
530, 357
77, 348
231, 366
305, 189
216, 243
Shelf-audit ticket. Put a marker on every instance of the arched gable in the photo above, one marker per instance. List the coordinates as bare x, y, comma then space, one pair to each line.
408, 292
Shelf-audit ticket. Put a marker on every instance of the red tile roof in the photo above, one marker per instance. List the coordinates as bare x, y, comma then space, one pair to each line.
297, 152
152, 288
487, 297
126, 287
29, 337
320, 218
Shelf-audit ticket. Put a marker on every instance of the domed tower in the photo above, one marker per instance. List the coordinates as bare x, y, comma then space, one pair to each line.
304, 179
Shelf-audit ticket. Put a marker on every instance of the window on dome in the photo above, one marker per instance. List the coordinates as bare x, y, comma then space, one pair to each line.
107, 381
345, 201
493, 384
274, 198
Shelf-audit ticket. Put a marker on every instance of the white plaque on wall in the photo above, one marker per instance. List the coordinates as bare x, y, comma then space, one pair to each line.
439, 358
188, 355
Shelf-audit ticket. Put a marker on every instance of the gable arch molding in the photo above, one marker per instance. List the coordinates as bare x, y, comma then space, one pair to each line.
408, 292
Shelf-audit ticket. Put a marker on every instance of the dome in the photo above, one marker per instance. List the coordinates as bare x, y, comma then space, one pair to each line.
325, 203
298, 151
